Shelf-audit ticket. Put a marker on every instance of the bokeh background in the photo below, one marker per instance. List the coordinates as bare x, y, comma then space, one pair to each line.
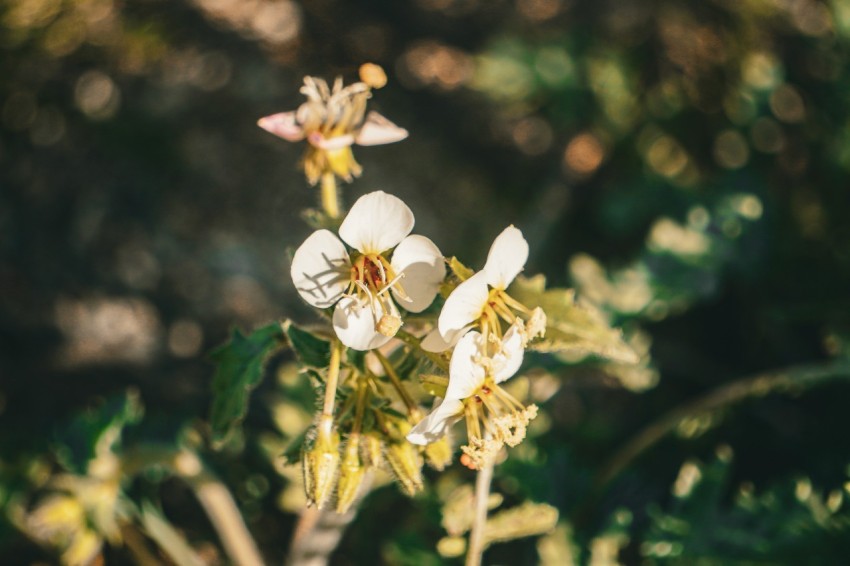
684, 165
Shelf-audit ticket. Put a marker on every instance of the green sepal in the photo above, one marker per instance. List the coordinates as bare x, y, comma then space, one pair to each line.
310, 350
240, 366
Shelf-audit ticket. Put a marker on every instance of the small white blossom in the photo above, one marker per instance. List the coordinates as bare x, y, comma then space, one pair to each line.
493, 417
331, 121
482, 300
363, 285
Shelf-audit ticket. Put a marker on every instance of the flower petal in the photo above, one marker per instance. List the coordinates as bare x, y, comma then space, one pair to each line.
466, 374
436, 342
464, 305
316, 139
506, 259
509, 359
424, 270
354, 323
321, 269
282, 125
376, 223
377, 130
438, 421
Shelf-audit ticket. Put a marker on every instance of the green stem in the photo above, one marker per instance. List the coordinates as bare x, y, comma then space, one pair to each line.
758, 385
477, 541
330, 195
415, 343
332, 380
396, 381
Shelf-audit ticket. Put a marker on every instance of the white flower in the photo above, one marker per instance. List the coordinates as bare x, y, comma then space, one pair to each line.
493, 416
331, 121
363, 285
482, 299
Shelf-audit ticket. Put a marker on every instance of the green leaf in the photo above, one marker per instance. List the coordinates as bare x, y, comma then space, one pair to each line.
310, 350
97, 431
240, 368
572, 327
292, 454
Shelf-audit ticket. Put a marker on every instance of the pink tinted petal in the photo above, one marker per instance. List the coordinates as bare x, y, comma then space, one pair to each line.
509, 359
354, 323
466, 375
464, 305
506, 259
282, 125
376, 223
421, 262
335, 142
321, 269
377, 130
438, 421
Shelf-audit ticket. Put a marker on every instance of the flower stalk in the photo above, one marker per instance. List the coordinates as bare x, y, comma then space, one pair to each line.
330, 196
477, 540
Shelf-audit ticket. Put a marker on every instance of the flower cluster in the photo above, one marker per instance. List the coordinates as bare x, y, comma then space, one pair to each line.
366, 273
484, 358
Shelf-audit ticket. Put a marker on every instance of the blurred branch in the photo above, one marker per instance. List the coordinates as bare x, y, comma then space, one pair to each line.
318, 532
477, 540
167, 538
783, 380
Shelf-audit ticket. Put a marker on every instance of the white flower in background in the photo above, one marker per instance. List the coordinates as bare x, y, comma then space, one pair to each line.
481, 300
362, 285
331, 121
493, 416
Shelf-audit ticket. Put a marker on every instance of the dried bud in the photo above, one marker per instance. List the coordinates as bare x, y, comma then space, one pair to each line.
350, 475
320, 466
373, 75
388, 325
406, 464
438, 454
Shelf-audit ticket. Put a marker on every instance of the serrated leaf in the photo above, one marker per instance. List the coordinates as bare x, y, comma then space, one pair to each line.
240, 366
572, 326
310, 350
97, 431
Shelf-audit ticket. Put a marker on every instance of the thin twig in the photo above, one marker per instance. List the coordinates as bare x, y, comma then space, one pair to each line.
477, 540
758, 385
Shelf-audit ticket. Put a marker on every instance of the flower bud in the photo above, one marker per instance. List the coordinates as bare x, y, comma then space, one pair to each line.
350, 475
372, 450
406, 464
320, 466
373, 75
438, 454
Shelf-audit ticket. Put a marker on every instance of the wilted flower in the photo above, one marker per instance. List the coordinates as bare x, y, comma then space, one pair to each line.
331, 121
362, 286
493, 416
482, 299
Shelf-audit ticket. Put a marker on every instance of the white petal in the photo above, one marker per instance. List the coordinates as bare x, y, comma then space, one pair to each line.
466, 375
464, 305
434, 426
354, 323
436, 342
321, 269
509, 359
335, 142
378, 130
506, 259
424, 270
282, 125
376, 223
